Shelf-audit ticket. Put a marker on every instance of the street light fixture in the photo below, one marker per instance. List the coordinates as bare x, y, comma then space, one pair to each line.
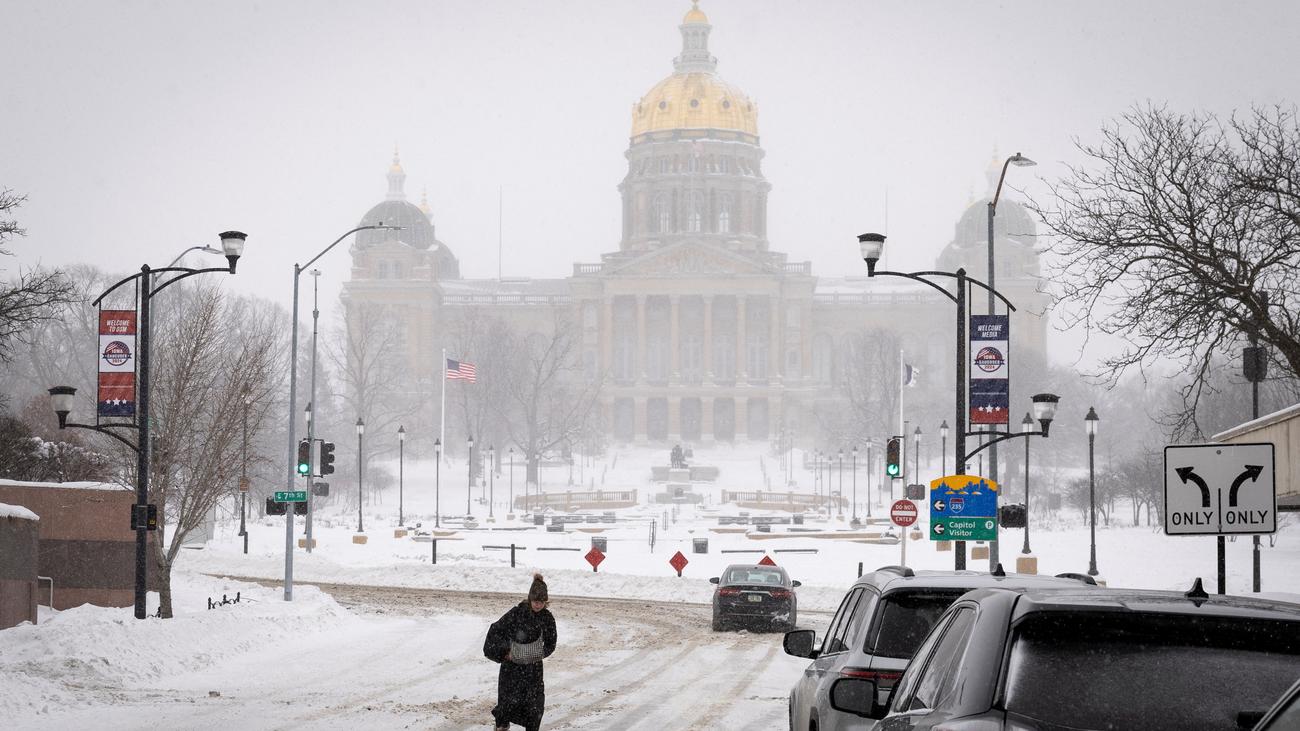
232, 244
1019, 161
469, 484
916, 454
855, 486
839, 494
492, 481
437, 483
943, 448
872, 246
1026, 426
512, 481
1090, 424
361, 429
401, 444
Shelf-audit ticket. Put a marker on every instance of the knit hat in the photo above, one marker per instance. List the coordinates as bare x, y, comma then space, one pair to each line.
537, 592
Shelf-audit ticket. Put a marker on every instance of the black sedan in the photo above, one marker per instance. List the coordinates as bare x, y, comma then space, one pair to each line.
754, 593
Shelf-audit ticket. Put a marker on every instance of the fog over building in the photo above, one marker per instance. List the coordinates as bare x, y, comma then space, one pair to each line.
702, 329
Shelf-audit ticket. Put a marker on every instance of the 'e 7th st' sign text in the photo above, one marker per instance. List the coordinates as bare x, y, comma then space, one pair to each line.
1215, 489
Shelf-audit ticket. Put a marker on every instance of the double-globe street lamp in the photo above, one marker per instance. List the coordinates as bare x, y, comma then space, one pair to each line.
491, 468
871, 246
469, 482
62, 397
1090, 424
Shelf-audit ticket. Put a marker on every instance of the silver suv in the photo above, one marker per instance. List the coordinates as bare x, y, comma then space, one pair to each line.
876, 630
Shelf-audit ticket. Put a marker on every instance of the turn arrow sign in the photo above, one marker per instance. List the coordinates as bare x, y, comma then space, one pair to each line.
1251, 473
1188, 473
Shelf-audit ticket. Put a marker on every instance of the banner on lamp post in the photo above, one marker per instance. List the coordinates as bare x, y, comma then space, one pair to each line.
117, 339
989, 368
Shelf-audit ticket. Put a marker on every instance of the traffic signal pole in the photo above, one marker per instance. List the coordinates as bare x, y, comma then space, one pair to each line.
311, 399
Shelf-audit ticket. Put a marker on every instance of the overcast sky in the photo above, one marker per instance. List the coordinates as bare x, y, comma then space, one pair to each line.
140, 128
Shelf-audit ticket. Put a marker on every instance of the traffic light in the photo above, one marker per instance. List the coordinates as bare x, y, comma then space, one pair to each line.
274, 508
304, 458
326, 458
893, 457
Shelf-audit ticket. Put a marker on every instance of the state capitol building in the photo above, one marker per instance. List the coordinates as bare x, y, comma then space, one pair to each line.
703, 330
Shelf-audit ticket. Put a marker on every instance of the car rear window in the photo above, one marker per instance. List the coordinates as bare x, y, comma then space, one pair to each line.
1155, 672
754, 576
905, 619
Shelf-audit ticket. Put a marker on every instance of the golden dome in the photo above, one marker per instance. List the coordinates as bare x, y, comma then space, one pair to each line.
695, 15
695, 100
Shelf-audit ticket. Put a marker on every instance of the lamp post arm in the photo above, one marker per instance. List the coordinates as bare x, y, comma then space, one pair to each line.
105, 430
915, 276
998, 193
187, 273
975, 282
336, 242
1001, 437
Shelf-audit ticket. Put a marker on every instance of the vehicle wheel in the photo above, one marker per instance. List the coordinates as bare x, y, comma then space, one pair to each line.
717, 624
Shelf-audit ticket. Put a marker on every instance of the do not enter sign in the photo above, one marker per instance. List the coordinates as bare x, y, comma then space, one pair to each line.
903, 513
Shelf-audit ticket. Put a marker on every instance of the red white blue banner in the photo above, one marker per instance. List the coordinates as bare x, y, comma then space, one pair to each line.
989, 369
116, 363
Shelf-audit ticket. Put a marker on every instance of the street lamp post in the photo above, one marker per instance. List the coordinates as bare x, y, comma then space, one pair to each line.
1090, 423
872, 246
232, 243
361, 429
469, 482
311, 398
512, 481
1026, 426
1019, 161
491, 468
916, 455
855, 485
298, 269
869, 480
243, 473
943, 449
437, 483
839, 491
401, 444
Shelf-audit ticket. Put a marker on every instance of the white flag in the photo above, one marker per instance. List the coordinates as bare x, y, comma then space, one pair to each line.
910, 374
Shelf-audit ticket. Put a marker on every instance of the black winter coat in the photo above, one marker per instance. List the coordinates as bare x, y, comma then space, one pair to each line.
521, 692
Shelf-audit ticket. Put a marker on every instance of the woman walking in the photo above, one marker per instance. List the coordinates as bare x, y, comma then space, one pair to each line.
519, 641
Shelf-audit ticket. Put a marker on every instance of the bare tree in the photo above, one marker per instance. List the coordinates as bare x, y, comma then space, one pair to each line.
34, 295
548, 399
218, 361
1181, 235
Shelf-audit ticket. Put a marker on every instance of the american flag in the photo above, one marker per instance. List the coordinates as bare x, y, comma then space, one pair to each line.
459, 370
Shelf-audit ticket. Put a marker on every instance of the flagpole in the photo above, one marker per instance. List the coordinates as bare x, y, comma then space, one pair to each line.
442, 418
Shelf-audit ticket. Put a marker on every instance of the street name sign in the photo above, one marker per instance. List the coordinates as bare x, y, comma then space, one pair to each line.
1217, 489
963, 508
291, 496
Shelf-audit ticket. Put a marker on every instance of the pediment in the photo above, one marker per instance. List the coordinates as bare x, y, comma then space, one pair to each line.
689, 259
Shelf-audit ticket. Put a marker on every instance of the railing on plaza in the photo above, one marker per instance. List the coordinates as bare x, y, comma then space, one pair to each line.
571, 500
506, 299
792, 501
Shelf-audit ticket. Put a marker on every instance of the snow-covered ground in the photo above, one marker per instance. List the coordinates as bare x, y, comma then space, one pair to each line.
312, 663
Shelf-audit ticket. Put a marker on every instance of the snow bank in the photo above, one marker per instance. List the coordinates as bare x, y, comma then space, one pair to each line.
83, 656
17, 511
73, 485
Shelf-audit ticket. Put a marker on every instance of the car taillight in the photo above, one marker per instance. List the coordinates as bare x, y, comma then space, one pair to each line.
780, 593
884, 678
728, 592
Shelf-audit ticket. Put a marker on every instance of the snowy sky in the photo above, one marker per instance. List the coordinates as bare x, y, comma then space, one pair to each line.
140, 128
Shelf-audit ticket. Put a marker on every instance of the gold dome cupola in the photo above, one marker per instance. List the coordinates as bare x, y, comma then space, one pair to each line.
694, 97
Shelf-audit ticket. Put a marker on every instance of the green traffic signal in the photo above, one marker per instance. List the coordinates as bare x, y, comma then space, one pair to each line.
304, 457
893, 457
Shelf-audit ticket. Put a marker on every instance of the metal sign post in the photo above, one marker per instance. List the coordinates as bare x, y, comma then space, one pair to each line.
1220, 489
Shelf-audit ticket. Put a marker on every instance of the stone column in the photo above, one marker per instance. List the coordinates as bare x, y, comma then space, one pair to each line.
674, 417
639, 367
742, 418
706, 419
674, 346
708, 342
607, 335
776, 346
741, 359
638, 419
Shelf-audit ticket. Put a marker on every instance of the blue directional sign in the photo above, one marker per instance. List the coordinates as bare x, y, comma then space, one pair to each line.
963, 508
